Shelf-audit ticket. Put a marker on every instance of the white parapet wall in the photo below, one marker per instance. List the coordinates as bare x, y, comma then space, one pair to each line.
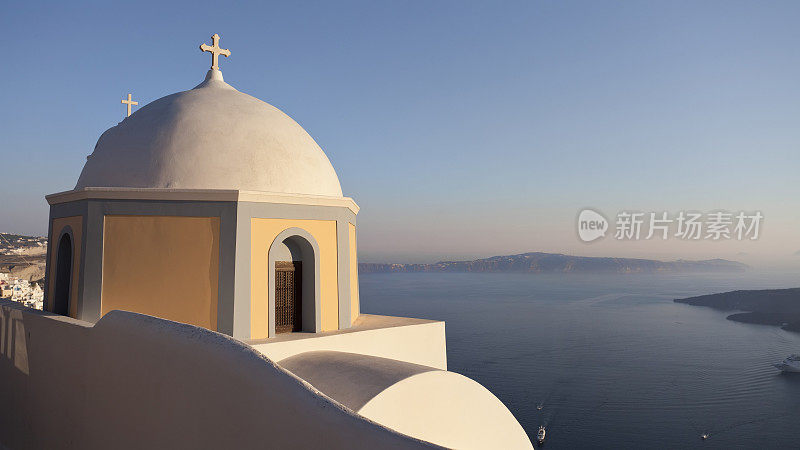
415, 341
133, 381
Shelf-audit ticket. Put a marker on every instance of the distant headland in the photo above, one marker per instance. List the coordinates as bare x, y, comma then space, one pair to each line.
538, 262
779, 307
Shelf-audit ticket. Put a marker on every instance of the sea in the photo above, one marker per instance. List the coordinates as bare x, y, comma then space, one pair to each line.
610, 361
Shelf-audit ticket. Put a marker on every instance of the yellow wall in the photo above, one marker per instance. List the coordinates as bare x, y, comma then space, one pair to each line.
262, 233
163, 266
76, 223
354, 305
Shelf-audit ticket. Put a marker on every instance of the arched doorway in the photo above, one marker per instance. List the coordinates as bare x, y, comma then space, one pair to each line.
63, 276
294, 283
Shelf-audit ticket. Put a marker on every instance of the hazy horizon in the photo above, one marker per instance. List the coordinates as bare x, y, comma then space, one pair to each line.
430, 259
462, 130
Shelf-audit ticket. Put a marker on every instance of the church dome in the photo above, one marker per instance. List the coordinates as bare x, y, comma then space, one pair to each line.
210, 137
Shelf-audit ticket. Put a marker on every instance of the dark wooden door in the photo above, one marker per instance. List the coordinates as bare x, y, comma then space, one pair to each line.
288, 296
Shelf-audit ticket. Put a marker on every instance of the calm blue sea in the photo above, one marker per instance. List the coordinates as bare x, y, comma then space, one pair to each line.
611, 359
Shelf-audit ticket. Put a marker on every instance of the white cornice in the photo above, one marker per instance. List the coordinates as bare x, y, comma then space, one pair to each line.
199, 195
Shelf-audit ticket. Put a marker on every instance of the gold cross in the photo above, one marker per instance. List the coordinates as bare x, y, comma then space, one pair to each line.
130, 103
215, 51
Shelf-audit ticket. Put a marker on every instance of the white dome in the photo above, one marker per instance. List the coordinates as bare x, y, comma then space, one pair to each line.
210, 137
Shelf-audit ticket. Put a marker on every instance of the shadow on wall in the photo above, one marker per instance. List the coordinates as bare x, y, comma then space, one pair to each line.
12, 341
135, 381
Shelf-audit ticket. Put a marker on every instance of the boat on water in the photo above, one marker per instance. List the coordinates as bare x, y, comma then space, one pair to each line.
790, 364
540, 435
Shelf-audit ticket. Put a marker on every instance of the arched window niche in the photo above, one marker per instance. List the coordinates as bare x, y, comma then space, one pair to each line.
62, 286
297, 245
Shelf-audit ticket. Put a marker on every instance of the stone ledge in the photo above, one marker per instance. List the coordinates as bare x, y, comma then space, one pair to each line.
207, 195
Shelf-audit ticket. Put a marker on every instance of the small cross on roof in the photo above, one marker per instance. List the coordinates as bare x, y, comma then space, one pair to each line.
130, 103
215, 51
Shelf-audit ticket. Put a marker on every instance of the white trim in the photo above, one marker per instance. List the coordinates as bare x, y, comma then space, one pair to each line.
209, 195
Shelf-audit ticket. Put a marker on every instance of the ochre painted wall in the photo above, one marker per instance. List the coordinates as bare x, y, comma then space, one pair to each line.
164, 266
354, 304
76, 223
262, 233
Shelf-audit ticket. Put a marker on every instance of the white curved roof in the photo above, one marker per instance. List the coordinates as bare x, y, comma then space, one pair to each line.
210, 137
434, 405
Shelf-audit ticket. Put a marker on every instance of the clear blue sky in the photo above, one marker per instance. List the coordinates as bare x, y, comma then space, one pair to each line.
461, 129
